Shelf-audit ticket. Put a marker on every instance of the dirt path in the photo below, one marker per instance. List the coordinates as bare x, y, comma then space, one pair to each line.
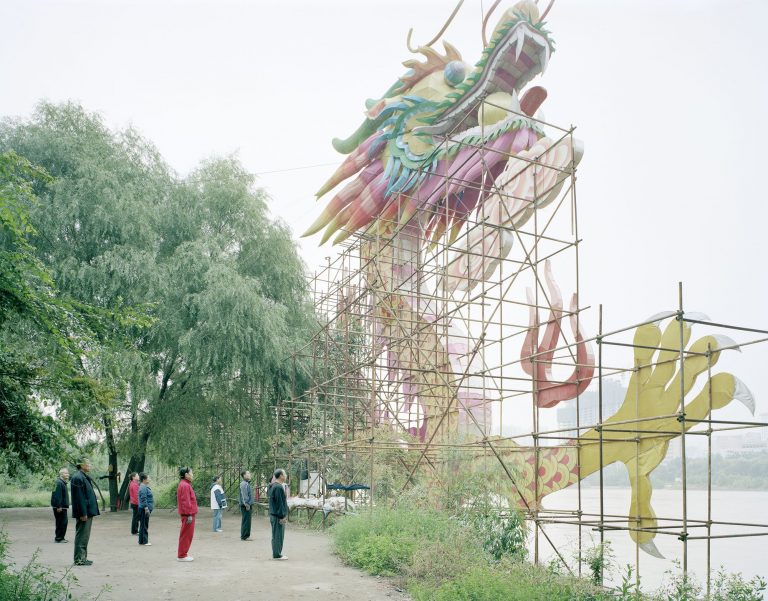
225, 568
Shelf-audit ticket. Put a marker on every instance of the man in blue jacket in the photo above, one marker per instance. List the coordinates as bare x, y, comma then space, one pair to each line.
60, 505
278, 513
146, 505
246, 505
84, 509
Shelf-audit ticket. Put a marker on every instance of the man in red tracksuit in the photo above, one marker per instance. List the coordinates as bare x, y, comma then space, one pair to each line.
186, 504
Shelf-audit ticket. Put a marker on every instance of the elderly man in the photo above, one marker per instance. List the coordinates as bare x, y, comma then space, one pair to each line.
278, 513
246, 505
60, 505
84, 509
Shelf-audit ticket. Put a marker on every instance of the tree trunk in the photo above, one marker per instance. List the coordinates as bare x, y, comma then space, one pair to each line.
112, 469
135, 464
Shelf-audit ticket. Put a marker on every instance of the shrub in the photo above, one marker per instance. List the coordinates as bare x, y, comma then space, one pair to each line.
733, 587
165, 498
600, 560
500, 535
33, 582
435, 562
384, 541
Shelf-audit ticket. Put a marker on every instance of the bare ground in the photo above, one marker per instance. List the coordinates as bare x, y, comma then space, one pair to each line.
225, 568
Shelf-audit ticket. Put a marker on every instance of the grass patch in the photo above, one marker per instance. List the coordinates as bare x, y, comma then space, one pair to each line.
509, 582
24, 498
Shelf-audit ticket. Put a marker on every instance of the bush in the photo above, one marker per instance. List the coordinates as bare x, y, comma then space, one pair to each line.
733, 587
384, 542
165, 497
33, 582
435, 562
500, 535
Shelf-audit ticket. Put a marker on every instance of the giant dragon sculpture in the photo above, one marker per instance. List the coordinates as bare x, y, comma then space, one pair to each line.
441, 145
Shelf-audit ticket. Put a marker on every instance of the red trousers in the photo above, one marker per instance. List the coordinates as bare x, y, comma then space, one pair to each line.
185, 536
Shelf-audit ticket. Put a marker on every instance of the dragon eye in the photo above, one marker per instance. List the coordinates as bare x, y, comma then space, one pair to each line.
454, 73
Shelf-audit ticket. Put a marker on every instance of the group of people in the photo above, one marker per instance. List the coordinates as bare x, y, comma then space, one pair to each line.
278, 509
142, 503
85, 507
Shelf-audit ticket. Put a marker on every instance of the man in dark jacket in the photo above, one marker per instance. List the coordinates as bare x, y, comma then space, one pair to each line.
246, 505
278, 513
84, 509
60, 505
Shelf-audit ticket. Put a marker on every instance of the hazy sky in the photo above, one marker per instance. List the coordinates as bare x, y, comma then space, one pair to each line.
669, 97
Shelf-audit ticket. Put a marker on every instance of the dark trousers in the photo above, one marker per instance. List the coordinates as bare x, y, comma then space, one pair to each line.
134, 519
278, 534
143, 527
61, 524
245, 522
82, 535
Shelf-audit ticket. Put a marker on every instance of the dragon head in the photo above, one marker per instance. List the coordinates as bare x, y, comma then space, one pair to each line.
430, 124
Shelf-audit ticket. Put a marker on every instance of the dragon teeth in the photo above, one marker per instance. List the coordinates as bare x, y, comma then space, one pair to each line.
520, 43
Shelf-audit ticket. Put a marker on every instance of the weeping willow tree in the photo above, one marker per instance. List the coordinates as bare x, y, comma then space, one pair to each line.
222, 281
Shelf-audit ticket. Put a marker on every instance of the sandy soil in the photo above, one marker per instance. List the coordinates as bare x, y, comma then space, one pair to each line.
225, 568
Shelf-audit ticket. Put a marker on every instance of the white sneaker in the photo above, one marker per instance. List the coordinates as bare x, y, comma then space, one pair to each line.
281, 558
219, 530
187, 558
147, 544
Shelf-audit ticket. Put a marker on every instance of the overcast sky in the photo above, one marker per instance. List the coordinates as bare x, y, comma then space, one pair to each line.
669, 97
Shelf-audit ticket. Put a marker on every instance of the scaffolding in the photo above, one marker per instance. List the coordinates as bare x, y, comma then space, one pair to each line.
410, 365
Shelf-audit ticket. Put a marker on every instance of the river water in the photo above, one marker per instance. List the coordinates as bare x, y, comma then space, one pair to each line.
748, 555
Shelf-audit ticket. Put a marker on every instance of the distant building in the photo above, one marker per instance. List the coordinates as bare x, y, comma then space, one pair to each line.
589, 408
748, 442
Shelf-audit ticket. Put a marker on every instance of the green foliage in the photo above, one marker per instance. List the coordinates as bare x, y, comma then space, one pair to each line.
679, 587
501, 535
628, 589
33, 582
165, 496
510, 582
384, 541
437, 561
202, 295
24, 498
599, 560
441, 558
733, 587
42, 334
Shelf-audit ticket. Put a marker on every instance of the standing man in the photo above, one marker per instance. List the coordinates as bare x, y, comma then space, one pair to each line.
133, 494
218, 502
60, 505
246, 505
278, 513
186, 504
84, 509
146, 505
